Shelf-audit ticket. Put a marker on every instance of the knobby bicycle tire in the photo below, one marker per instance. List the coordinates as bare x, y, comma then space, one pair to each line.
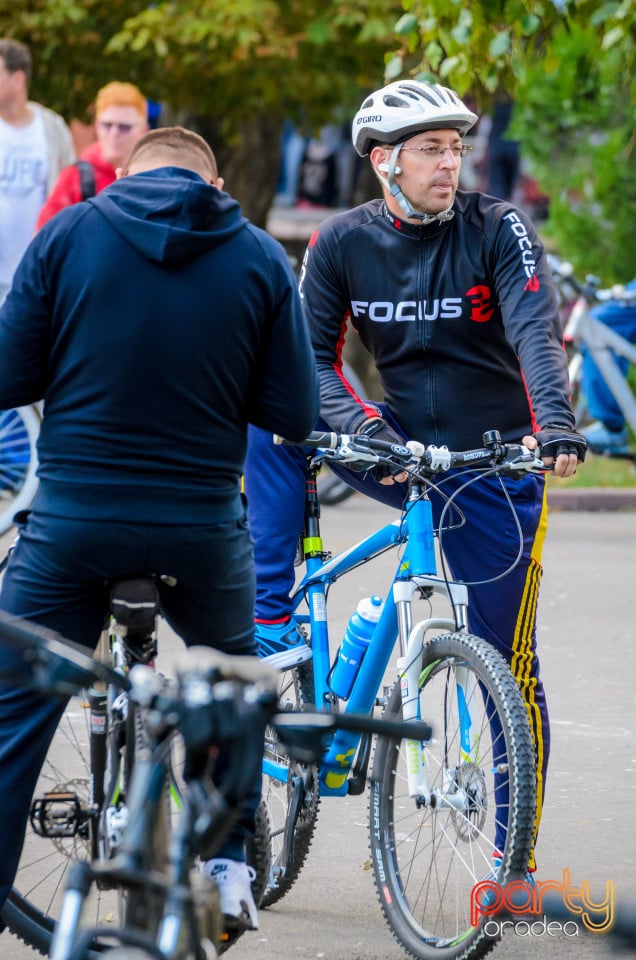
259, 852
296, 690
19, 431
427, 858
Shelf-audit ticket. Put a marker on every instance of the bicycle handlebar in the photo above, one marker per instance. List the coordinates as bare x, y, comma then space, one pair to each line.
590, 289
213, 700
416, 458
55, 664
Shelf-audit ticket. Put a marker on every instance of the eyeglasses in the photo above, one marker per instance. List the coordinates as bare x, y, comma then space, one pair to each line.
432, 152
108, 125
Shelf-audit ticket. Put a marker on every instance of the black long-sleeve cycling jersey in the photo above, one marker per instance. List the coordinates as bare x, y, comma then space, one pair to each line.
460, 316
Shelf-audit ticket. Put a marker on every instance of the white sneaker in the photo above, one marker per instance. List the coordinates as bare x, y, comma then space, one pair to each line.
234, 880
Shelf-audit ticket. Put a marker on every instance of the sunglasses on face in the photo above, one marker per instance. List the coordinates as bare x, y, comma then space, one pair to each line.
108, 125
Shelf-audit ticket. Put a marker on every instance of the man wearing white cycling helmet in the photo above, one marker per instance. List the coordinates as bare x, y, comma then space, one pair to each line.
451, 293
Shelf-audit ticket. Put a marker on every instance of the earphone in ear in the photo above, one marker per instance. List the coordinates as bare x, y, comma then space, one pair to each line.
384, 167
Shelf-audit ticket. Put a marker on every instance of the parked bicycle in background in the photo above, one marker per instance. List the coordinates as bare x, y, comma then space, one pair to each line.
19, 430
599, 330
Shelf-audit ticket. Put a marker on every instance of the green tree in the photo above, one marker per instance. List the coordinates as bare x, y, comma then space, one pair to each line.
233, 69
570, 67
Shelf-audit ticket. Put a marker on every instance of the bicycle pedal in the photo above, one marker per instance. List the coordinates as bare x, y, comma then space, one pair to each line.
57, 814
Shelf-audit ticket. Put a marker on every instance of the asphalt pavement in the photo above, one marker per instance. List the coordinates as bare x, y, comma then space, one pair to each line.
586, 642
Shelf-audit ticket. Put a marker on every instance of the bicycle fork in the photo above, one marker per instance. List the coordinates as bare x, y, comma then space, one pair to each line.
410, 677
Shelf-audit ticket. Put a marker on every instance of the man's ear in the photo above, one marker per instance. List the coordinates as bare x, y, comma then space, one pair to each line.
120, 172
377, 156
218, 183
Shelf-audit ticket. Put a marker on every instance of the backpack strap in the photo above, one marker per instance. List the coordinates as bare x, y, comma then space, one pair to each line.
87, 179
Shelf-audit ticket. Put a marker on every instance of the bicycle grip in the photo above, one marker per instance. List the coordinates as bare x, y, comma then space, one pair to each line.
317, 438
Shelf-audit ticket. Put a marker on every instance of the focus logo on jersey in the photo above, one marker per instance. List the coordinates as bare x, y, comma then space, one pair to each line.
384, 311
444, 308
525, 244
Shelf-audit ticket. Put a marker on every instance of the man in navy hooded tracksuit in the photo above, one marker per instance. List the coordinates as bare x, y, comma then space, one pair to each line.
155, 323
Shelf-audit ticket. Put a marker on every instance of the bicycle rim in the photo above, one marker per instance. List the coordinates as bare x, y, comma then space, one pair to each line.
428, 858
19, 429
34, 903
296, 690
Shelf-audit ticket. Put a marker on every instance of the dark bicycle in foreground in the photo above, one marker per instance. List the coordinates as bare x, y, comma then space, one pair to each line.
170, 908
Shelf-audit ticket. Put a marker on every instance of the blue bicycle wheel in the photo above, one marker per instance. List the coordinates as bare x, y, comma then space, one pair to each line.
19, 429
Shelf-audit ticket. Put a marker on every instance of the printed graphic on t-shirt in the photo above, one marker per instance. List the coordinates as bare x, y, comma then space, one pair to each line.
21, 172
23, 180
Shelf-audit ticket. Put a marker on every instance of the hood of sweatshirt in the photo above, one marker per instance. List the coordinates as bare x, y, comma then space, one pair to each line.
169, 213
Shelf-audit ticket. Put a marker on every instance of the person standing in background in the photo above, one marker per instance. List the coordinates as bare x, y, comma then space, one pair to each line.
504, 155
121, 119
35, 144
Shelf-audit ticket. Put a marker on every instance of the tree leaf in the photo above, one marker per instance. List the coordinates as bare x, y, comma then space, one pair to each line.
448, 65
529, 24
615, 35
406, 24
433, 53
499, 44
605, 12
393, 68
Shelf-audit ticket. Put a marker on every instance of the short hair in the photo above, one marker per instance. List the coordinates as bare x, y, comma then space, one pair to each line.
117, 94
16, 56
177, 147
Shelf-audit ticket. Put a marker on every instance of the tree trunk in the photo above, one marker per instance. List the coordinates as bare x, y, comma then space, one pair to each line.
249, 163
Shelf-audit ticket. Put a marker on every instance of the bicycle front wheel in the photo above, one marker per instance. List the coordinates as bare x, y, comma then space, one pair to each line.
291, 797
19, 430
428, 853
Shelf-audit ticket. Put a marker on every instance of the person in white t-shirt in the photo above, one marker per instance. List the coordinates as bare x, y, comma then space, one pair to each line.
35, 143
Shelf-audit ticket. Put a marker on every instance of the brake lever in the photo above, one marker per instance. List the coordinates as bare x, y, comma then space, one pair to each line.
526, 462
353, 448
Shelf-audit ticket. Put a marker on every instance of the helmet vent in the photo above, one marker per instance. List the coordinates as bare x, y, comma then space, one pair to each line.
393, 101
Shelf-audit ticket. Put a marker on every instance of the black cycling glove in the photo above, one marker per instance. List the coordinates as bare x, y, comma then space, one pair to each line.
380, 430
555, 440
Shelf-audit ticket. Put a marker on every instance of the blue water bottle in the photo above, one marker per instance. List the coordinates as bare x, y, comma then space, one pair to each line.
354, 645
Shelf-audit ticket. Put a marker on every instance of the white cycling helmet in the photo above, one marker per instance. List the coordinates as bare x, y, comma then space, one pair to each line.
403, 108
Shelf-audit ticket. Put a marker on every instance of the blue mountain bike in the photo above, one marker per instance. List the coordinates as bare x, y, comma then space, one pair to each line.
445, 813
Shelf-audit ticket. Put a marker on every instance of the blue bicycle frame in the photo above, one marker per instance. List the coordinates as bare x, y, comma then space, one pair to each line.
417, 568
